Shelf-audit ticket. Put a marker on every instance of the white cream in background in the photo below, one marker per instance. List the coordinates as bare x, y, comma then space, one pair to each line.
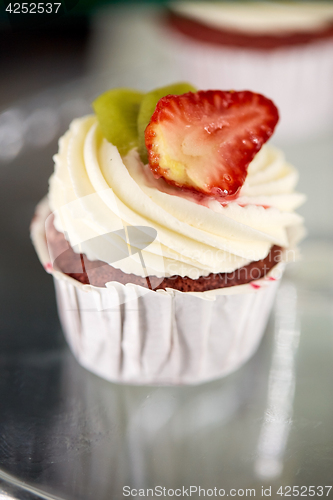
259, 17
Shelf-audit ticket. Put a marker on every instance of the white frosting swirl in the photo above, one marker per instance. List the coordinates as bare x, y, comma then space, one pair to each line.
94, 192
263, 18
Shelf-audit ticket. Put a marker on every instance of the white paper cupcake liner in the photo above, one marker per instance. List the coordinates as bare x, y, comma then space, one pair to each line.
297, 78
163, 337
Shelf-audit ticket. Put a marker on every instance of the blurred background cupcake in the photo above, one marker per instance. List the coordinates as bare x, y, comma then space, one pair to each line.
282, 49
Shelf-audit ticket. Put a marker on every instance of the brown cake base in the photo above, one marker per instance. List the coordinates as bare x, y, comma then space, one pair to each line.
97, 273
225, 37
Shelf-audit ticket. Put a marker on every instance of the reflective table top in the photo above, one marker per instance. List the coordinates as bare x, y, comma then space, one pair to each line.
65, 433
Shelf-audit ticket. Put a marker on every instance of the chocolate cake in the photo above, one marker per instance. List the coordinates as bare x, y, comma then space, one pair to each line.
98, 273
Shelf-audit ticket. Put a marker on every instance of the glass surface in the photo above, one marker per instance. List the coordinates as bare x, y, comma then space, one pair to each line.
65, 433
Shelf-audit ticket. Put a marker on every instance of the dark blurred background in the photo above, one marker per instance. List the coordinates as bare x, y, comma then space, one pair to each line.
36, 57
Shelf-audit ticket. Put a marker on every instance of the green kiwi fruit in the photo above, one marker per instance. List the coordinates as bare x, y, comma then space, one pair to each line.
117, 114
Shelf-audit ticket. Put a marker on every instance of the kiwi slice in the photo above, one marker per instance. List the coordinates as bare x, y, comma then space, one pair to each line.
147, 108
117, 114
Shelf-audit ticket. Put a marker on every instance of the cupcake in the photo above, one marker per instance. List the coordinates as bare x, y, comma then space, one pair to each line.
282, 49
167, 227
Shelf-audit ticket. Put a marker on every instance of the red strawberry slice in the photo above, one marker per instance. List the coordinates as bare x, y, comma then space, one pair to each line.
205, 141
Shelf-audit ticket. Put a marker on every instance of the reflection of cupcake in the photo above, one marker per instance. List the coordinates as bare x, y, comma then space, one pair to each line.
168, 278
282, 49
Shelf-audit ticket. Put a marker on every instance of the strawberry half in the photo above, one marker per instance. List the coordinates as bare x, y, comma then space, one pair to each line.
205, 141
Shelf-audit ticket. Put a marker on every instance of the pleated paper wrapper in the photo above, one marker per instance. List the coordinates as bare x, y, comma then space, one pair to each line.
129, 334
